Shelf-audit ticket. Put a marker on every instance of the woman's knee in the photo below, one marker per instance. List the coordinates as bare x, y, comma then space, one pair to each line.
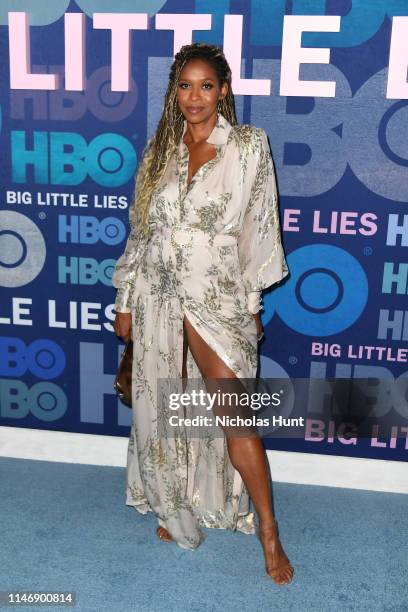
242, 446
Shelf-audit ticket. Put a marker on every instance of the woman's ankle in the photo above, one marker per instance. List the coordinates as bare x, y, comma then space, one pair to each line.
269, 525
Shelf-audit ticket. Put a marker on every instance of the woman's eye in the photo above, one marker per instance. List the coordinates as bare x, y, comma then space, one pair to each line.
205, 85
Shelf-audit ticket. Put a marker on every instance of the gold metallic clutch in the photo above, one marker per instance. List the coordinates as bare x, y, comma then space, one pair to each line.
123, 379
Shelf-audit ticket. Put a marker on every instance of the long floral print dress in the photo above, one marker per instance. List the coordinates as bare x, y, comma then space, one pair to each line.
214, 245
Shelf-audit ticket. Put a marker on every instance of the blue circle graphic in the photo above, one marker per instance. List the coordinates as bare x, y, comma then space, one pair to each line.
111, 230
326, 292
110, 160
45, 359
319, 290
46, 401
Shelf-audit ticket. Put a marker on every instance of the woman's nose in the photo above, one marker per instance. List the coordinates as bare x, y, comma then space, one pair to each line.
195, 93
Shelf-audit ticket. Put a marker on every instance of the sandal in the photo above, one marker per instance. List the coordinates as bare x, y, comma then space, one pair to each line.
163, 534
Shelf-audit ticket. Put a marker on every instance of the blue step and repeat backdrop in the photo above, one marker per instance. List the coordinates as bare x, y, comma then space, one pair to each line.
82, 86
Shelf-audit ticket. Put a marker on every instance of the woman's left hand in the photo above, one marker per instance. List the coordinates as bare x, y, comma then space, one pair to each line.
259, 326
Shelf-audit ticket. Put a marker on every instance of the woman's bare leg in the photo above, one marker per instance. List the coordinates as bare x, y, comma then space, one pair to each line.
248, 456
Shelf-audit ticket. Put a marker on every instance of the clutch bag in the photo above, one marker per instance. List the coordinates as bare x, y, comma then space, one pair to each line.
123, 379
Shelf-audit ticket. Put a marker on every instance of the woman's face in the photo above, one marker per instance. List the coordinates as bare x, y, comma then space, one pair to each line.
198, 91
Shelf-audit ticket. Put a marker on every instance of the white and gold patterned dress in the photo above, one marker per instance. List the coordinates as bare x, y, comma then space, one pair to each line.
214, 246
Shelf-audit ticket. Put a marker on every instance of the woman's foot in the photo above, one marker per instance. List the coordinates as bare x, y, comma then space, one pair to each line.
277, 564
164, 534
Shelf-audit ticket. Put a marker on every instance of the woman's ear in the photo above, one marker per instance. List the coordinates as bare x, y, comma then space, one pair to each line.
224, 90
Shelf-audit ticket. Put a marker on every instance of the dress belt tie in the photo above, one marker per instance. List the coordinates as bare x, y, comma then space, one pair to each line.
185, 236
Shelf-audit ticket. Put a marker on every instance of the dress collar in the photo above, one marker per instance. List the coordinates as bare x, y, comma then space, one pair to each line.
219, 134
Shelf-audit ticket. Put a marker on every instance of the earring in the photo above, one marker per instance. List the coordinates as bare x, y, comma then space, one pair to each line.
219, 105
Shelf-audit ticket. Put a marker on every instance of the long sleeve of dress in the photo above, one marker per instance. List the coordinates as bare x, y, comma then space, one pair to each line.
260, 250
123, 276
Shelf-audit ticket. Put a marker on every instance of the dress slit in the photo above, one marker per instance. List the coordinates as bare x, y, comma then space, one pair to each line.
209, 341
239, 500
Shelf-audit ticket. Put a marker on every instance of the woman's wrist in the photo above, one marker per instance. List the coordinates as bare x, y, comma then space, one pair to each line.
259, 326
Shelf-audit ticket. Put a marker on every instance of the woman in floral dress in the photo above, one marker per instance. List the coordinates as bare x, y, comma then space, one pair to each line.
204, 242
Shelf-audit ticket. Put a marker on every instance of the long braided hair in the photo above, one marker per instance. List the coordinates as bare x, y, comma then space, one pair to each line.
170, 128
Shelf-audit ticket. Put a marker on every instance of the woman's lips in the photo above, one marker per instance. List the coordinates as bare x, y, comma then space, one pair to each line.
194, 109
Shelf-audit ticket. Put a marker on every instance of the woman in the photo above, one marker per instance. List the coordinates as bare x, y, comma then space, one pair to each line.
204, 241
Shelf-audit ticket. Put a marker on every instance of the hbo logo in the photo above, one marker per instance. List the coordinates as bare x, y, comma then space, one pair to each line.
85, 271
46, 401
88, 229
43, 358
109, 159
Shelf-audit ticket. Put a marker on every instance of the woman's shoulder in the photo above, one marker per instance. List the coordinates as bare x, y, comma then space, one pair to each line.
249, 137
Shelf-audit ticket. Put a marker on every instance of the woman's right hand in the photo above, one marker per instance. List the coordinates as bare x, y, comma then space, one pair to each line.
123, 325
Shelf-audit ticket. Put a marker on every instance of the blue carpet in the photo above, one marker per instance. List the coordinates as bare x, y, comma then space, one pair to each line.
66, 527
